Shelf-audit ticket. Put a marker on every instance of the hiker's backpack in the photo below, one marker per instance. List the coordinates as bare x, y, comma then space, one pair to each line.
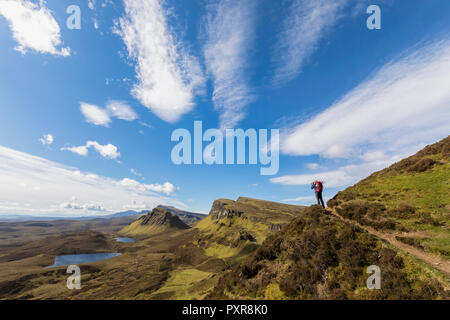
319, 186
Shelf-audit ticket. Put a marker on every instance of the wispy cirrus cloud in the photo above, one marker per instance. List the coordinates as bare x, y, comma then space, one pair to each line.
306, 24
108, 151
168, 76
229, 30
33, 27
342, 176
404, 103
347, 174
34, 185
398, 110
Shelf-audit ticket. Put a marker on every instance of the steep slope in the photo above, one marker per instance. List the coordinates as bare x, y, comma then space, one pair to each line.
318, 256
234, 229
187, 217
324, 254
409, 200
157, 221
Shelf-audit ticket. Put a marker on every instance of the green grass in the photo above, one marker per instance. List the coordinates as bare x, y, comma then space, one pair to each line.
428, 193
273, 292
222, 238
135, 229
418, 270
178, 285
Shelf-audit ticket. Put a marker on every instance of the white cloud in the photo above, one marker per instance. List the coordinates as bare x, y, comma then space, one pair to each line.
302, 30
302, 199
85, 206
396, 112
95, 114
114, 109
81, 150
373, 155
166, 187
91, 4
313, 166
168, 77
64, 190
106, 3
33, 27
121, 110
108, 151
46, 139
343, 176
403, 104
335, 178
135, 172
349, 174
145, 124
229, 29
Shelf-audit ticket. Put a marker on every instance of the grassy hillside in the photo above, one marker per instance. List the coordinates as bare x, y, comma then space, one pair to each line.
234, 229
411, 197
159, 220
318, 256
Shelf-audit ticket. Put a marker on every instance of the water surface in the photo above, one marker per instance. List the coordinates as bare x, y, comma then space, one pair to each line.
68, 259
124, 239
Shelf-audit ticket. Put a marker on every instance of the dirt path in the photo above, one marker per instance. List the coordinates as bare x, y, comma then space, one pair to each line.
430, 259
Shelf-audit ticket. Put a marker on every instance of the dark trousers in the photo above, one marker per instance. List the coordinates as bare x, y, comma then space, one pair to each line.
319, 198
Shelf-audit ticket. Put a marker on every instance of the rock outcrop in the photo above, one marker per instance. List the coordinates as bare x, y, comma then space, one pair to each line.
162, 217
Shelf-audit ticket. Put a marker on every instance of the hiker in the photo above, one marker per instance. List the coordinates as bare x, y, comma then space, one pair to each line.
318, 187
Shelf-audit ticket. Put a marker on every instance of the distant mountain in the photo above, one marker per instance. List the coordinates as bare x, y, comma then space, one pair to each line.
122, 214
186, 216
157, 221
19, 218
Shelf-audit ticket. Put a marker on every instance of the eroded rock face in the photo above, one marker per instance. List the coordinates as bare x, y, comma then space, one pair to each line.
219, 211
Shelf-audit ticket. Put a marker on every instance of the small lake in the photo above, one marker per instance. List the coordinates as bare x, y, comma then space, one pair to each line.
68, 259
125, 240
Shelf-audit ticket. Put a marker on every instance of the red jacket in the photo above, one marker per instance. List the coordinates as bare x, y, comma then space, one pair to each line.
318, 186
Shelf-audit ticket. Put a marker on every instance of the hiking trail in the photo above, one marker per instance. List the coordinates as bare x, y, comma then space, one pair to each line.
432, 260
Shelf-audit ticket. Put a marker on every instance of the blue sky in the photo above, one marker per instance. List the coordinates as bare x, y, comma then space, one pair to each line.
87, 115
